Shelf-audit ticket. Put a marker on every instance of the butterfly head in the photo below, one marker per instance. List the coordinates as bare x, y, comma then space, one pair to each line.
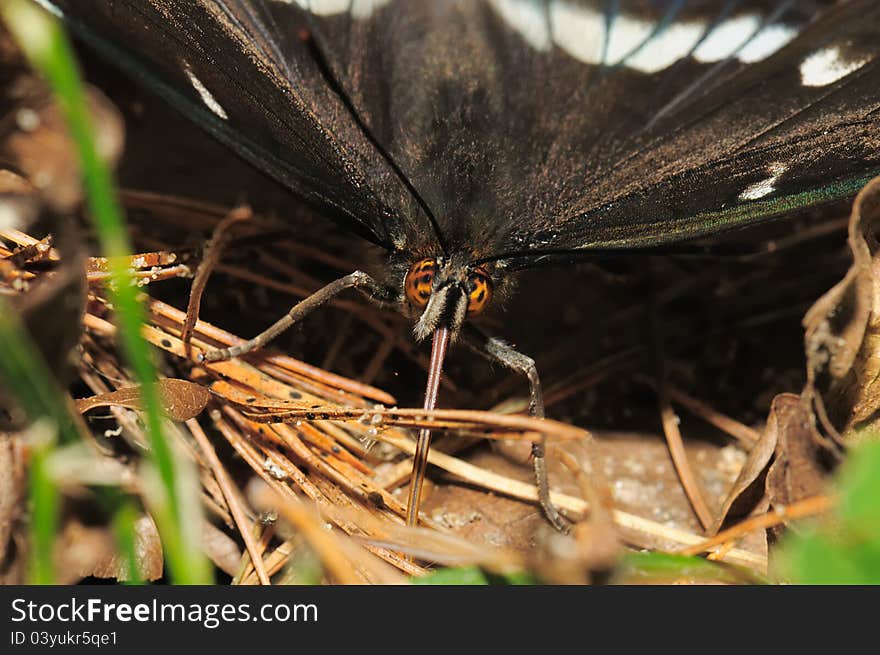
447, 292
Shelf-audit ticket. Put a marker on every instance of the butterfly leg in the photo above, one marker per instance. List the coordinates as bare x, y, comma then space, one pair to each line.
496, 350
357, 280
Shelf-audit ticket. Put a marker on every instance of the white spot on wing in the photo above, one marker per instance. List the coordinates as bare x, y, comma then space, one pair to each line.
766, 42
666, 47
358, 8
727, 38
583, 32
207, 98
363, 8
828, 65
580, 31
764, 187
626, 35
528, 18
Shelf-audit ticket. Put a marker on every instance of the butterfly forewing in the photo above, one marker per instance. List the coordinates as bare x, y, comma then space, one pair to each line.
525, 127
255, 86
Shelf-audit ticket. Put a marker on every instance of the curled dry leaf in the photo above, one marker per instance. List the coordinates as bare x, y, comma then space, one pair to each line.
785, 466
748, 489
148, 550
181, 399
80, 548
843, 329
800, 468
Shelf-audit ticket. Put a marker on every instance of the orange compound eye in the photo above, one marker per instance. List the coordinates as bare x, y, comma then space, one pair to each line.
481, 291
420, 281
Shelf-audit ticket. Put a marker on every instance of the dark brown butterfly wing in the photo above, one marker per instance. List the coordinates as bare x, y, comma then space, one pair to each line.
235, 72
534, 127
519, 128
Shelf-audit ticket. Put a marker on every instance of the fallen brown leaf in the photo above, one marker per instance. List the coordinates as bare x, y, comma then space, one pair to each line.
148, 549
842, 330
800, 468
748, 489
221, 548
181, 399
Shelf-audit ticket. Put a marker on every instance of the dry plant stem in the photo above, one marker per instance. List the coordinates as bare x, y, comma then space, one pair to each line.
351, 443
747, 436
147, 276
245, 562
340, 501
241, 521
318, 494
491, 425
196, 214
264, 534
487, 424
193, 214
213, 250
335, 470
800, 509
325, 545
667, 416
720, 553
682, 465
396, 474
588, 491
275, 560
174, 346
137, 261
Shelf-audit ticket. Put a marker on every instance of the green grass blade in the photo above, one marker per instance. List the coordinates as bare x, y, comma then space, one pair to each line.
44, 42
25, 373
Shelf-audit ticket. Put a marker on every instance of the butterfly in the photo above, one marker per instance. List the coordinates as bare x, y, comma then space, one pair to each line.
475, 138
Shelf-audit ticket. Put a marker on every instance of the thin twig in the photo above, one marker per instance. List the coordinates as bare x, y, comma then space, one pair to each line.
689, 483
241, 521
213, 250
799, 509
743, 433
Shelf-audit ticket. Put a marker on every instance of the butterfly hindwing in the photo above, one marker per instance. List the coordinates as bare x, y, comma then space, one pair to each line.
567, 125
